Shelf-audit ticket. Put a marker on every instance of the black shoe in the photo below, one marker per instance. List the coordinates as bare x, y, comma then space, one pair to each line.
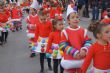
41, 71
32, 55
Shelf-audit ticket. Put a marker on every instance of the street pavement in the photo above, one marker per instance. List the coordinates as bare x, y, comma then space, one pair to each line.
14, 55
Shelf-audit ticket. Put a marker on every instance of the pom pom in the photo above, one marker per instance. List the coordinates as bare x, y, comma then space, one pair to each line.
50, 51
56, 48
42, 50
33, 48
52, 47
42, 45
56, 52
54, 56
32, 44
39, 40
43, 40
48, 55
46, 40
62, 53
35, 44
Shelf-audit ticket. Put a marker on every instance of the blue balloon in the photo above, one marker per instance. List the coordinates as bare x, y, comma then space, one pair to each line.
43, 41
33, 48
48, 55
52, 47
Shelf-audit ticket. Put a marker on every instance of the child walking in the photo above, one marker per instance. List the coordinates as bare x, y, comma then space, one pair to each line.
44, 28
74, 43
53, 48
4, 16
32, 21
100, 50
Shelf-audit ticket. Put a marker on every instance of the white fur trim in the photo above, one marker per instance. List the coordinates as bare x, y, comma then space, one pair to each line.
68, 64
74, 29
65, 33
56, 14
106, 17
85, 32
30, 35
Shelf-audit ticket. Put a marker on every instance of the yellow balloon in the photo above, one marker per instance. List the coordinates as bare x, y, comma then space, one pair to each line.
54, 56
39, 39
46, 40
62, 53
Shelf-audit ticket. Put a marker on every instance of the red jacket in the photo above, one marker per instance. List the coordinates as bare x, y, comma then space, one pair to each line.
100, 56
43, 30
76, 39
3, 17
16, 13
54, 37
32, 20
106, 20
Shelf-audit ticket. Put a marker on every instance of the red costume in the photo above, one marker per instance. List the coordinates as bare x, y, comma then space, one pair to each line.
100, 55
77, 41
52, 47
73, 41
16, 13
106, 20
32, 24
43, 30
55, 37
41, 36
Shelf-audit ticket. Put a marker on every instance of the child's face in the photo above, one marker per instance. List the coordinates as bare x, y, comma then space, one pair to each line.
42, 18
32, 11
59, 25
1, 8
105, 33
73, 20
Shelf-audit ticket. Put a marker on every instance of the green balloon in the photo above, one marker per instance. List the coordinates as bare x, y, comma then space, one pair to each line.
56, 51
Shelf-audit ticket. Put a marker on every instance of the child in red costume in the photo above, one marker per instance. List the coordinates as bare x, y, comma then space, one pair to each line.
53, 48
100, 50
44, 28
4, 16
74, 43
16, 14
32, 22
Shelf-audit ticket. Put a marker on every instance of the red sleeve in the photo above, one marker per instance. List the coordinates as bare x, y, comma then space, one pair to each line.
7, 13
20, 13
50, 27
50, 24
49, 42
37, 33
88, 60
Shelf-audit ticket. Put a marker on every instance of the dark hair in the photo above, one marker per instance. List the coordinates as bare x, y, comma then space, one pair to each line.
2, 3
96, 27
42, 12
54, 22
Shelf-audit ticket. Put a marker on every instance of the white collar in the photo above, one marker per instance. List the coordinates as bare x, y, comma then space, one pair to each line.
74, 29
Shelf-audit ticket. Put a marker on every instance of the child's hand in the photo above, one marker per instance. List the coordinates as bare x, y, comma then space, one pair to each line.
78, 56
82, 53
